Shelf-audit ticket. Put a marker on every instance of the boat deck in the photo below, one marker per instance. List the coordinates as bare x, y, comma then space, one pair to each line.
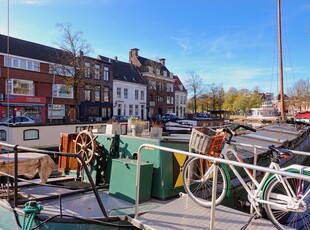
183, 213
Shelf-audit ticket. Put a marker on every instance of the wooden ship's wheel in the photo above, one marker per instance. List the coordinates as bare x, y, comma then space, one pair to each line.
85, 146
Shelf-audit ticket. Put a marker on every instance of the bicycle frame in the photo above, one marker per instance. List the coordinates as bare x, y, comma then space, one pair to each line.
255, 193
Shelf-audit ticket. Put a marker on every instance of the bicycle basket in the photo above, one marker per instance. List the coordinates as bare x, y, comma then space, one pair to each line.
201, 139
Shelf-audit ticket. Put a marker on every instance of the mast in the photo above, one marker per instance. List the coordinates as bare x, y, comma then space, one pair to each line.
280, 62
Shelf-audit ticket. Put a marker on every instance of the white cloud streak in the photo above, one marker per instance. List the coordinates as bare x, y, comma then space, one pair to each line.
33, 2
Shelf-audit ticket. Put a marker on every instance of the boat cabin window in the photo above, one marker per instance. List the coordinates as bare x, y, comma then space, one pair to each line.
2, 135
31, 134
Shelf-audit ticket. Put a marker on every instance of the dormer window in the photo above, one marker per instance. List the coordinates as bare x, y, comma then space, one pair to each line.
150, 69
171, 75
165, 73
157, 71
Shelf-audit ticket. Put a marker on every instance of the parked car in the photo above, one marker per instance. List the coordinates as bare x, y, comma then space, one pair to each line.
18, 120
169, 117
120, 118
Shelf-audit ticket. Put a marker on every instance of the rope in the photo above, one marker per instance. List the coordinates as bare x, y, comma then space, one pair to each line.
30, 210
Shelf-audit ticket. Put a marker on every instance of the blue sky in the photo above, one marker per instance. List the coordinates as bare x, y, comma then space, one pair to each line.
228, 42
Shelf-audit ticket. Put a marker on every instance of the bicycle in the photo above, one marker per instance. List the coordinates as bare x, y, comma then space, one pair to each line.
284, 199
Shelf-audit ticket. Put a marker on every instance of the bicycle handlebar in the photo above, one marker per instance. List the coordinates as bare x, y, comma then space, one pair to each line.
245, 127
232, 132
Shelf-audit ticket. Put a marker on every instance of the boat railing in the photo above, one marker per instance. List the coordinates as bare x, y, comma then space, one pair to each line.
214, 160
17, 149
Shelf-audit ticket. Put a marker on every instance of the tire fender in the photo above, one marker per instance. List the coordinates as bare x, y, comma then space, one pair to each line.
223, 166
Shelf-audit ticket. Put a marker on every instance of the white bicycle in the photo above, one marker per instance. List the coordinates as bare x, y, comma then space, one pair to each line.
285, 199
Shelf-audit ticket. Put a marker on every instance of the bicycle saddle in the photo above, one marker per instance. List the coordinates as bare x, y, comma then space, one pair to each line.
283, 153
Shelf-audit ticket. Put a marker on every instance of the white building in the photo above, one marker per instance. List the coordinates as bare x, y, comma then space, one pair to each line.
180, 97
129, 90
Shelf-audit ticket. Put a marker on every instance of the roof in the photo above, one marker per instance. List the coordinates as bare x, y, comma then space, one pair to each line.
303, 115
124, 71
148, 62
178, 84
28, 49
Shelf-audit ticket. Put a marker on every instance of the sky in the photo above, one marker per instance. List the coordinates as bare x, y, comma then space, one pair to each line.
232, 43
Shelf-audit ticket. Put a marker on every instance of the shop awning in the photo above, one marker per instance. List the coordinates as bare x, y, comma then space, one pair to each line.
22, 104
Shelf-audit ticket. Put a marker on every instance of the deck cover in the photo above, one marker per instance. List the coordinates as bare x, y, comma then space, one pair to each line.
29, 164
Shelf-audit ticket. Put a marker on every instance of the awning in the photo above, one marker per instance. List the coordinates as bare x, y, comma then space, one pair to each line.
22, 104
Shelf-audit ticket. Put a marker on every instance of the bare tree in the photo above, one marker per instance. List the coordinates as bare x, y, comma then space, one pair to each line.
216, 94
195, 86
71, 64
299, 95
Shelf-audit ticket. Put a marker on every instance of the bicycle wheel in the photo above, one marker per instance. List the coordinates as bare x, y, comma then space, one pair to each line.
284, 214
198, 179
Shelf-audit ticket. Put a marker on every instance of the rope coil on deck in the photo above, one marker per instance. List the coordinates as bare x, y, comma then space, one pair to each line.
30, 210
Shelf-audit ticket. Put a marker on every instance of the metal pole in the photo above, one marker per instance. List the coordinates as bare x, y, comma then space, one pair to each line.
280, 62
214, 188
51, 115
254, 175
137, 183
15, 174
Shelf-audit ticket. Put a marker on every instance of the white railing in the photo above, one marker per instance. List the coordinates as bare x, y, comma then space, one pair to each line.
215, 160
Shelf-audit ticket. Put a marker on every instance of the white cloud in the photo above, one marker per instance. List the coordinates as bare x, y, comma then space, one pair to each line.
33, 2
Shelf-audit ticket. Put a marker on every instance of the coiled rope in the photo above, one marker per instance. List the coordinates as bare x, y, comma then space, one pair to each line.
30, 210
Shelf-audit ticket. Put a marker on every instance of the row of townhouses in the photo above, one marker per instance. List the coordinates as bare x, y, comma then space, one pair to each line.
33, 83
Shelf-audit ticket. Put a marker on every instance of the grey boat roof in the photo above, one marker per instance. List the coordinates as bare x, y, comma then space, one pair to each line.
282, 135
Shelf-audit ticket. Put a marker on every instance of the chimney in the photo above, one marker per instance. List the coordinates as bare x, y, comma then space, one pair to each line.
133, 53
81, 53
116, 59
163, 61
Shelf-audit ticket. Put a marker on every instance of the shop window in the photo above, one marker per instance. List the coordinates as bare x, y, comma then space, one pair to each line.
31, 134
2, 135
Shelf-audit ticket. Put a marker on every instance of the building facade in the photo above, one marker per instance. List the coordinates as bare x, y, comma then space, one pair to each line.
159, 81
35, 83
180, 97
96, 97
26, 82
129, 90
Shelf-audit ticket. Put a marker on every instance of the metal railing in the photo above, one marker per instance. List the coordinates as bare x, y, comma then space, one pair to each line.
16, 149
214, 160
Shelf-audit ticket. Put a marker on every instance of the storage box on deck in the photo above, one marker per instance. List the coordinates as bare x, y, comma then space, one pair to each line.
123, 180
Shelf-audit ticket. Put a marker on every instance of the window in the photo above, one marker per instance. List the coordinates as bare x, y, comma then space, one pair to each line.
165, 73
106, 94
87, 93
97, 93
152, 85
62, 70
118, 92
136, 94
125, 93
62, 91
142, 95
20, 87
20, 63
169, 87
2, 135
177, 99
97, 71
169, 100
87, 69
130, 110
106, 73
125, 110
31, 134
157, 71
136, 110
